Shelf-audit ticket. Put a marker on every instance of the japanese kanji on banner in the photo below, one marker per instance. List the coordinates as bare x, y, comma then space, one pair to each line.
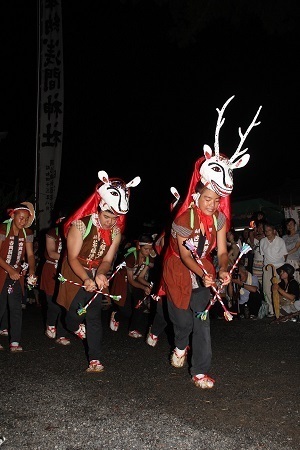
50, 110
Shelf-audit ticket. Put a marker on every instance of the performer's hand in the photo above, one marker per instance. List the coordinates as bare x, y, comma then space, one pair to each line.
89, 285
225, 277
208, 280
102, 281
147, 290
14, 274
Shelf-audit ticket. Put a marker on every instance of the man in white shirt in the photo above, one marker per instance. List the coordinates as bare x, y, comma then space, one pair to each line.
274, 251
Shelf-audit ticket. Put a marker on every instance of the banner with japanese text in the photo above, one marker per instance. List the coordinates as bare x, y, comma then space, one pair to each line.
51, 99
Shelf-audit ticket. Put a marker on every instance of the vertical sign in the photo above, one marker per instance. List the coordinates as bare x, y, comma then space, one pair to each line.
49, 148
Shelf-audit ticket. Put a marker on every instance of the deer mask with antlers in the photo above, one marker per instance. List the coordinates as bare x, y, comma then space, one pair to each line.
216, 170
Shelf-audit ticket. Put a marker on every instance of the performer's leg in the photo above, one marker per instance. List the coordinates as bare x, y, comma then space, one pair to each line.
201, 340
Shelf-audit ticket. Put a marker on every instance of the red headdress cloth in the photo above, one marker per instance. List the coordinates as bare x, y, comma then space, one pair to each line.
225, 207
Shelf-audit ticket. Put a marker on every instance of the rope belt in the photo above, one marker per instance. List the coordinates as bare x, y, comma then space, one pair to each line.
52, 262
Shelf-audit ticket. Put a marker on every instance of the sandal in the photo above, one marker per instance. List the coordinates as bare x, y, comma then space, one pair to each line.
50, 332
81, 332
152, 339
15, 347
113, 324
203, 381
178, 360
135, 334
95, 366
63, 341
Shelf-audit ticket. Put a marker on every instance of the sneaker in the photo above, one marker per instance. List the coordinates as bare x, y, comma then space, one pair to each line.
4, 332
203, 381
1, 348
293, 319
270, 315
81, 333
113, 324
50, 332
178, 360
135, 334
95, 366
151, 339
15, 347
63, 341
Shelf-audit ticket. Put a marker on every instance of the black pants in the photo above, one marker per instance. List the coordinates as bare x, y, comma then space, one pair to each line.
92, 319
138, 319
188, 328
13, 302
55, 313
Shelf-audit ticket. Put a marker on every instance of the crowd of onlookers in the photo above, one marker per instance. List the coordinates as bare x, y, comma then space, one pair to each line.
272, 265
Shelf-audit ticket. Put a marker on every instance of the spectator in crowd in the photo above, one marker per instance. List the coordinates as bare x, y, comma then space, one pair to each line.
250, 296
93, 236
274, 252
292, 242
288, 289
258, 259
16, 250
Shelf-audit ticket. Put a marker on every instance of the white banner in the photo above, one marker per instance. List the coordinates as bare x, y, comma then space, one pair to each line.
51, 86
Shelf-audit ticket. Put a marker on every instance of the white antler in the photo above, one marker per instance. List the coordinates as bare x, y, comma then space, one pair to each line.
239, 152
220, 122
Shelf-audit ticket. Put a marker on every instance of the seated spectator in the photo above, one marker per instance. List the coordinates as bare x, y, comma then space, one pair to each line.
288, 289
250, 295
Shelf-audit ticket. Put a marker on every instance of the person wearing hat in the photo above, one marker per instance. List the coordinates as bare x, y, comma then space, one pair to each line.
16, 255
202, 220
288, 289
93, 236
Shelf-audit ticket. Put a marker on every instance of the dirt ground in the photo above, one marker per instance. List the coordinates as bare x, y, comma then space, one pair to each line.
47, 401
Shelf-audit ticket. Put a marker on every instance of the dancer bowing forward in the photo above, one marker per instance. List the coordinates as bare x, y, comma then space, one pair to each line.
93, 237
203, 219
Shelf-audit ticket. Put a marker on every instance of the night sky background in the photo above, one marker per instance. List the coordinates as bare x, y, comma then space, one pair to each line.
142, 81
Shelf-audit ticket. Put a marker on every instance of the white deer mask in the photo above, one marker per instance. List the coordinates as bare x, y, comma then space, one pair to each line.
216, 171
115, 193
